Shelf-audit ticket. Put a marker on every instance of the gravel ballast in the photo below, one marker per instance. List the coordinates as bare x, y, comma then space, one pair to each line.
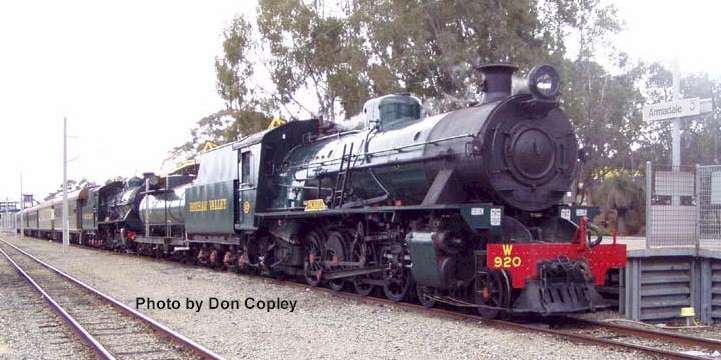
321, 326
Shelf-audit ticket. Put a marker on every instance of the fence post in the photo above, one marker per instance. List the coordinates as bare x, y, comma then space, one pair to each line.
699, 195
649, 190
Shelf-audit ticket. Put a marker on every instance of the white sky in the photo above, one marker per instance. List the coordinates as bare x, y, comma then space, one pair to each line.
661, 30
134, 76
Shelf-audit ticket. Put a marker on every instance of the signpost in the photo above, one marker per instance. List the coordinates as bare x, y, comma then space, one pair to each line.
677, 110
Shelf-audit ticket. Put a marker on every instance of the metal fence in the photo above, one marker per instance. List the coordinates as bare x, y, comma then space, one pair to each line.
7, 221
709, 207
670, 207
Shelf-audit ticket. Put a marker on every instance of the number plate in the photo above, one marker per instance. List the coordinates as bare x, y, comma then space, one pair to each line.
507, 261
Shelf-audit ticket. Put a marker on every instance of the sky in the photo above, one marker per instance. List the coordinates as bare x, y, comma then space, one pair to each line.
662, 30
132, 77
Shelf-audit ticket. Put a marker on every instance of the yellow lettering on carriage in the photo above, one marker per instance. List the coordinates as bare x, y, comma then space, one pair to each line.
217, 204
208, 205
198, 206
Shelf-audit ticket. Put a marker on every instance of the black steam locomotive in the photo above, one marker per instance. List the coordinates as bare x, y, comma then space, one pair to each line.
461, 208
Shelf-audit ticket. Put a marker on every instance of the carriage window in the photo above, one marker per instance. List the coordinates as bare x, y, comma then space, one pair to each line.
245, 167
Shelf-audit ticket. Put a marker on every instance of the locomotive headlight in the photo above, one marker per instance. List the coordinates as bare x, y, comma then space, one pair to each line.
544, 82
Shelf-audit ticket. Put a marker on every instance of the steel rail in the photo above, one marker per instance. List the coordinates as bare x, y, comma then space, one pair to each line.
74, 324
653, 334
169, 333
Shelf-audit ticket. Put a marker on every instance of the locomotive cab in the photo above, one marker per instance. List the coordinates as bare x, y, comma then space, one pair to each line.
391, 111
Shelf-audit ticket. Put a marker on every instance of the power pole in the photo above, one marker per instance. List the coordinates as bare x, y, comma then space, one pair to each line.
66, 235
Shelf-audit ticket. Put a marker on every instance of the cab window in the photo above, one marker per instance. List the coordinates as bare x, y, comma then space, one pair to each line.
397, 112
245, 167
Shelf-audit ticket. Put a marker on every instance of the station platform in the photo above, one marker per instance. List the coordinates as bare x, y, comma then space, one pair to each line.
659, 282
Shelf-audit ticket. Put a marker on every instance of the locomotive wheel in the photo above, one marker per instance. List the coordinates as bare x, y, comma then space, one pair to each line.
202, 257
248, 258
242, 262
424, 294
396, 286
491, 289
336, 249
228, 259
397, 280
214, 258
363, 253
312, 264
256, 251
271, 259
362, 288
265, 254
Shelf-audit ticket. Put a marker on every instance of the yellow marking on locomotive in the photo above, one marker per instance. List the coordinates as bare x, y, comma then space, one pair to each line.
276, 122
208, 205
315, 205
507, 261
208, 146
507, 249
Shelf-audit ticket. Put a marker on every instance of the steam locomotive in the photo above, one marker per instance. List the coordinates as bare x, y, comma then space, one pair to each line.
461, 208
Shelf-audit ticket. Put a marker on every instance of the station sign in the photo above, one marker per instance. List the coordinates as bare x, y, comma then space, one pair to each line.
676, 109
673, 109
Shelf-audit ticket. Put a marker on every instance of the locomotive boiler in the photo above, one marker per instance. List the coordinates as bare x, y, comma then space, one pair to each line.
519, 151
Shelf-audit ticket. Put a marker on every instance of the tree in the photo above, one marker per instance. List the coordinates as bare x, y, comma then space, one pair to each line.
234, 72
219, 128
246, 110
334, 55
431, 48
314, 49
605, 107
71, 185
606, 113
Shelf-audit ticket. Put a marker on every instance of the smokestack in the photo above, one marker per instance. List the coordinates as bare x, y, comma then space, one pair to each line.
497, 81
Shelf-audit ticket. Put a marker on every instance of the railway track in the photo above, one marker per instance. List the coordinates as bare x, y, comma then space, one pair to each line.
112, 329
639, 335
655, 343
19, 300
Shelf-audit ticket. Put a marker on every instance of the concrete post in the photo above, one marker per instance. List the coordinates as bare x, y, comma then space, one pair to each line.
66, 234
